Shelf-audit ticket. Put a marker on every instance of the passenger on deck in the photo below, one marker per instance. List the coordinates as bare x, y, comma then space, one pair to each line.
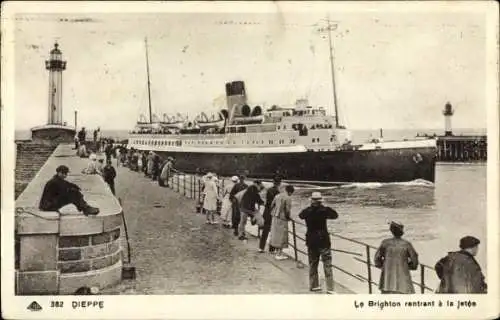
318, 241
58, 192
396, 257
235, 218
270, 195
226, 208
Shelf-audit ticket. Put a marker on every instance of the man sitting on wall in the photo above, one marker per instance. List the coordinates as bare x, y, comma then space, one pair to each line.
58, 192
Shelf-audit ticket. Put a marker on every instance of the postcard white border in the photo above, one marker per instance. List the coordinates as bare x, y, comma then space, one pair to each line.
246, 306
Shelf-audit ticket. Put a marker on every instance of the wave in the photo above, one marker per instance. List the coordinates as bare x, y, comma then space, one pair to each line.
374, 185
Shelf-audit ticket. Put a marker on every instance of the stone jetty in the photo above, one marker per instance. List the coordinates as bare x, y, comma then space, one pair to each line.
173, 250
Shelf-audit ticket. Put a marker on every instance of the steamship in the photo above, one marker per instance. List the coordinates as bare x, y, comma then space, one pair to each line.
301, 143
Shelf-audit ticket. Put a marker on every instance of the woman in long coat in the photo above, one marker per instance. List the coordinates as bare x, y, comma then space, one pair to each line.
396, 257
210, 200
150, 164
280, 212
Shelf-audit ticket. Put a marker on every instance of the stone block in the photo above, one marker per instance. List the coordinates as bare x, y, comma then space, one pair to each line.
96, 251
38, 252
114, 246
103, 262
74, 266
76, 225
47, 223
69, 283
70, 254
101, 238
116, 257
77, 241
37, 282
112, 222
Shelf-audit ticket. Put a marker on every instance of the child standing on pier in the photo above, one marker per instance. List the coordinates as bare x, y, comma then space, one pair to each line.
109, 175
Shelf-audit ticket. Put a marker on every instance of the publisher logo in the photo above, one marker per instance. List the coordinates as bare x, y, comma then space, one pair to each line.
34, 306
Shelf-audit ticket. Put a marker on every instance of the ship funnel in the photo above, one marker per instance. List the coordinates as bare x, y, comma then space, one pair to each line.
236, 97
257, 111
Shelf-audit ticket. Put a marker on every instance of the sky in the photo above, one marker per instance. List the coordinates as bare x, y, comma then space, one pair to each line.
394, 70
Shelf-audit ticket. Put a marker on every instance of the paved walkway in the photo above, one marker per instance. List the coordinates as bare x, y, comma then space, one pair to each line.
175, 252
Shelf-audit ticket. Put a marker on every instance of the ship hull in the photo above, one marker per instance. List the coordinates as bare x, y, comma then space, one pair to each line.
346, 166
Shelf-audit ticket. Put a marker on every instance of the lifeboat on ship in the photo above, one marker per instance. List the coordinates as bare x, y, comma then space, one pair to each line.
172, 122
144, 124
215, 121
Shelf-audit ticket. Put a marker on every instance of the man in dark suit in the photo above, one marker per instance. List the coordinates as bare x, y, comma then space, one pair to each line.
58, 192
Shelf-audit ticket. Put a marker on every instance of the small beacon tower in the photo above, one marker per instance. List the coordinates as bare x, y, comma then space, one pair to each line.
448, 113
55, 130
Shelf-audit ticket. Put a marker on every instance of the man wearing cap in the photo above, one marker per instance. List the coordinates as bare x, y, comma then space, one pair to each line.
270, 195
235, 215
318, 241
58, 192
396, 257
459, 271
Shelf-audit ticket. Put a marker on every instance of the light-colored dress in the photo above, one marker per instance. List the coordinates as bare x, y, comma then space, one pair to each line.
210, 201
280, 209
226, 208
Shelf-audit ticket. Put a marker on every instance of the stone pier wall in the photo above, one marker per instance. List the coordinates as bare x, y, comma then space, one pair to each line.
59, 252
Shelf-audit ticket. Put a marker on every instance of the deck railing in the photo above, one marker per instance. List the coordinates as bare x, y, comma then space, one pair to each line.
191, 187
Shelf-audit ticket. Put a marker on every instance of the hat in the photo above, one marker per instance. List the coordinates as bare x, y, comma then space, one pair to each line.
209, 175
468, 242
170, 158
62, 169
316, 196
396, 225
93, 157
235, 178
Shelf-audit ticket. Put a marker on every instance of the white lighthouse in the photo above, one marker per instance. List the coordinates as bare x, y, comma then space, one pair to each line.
55, 130
56, 66
448, 113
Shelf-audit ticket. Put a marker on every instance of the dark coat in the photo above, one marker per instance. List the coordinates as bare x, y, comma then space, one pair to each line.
54, 190
270, 195
460, 273
317, 236
109, 174
250, 198
240, 186
396, 257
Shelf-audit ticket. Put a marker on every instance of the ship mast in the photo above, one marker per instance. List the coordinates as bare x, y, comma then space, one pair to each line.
334, 90
149, 84
332, 26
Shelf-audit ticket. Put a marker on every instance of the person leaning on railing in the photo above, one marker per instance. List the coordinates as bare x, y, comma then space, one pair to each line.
318, 241
396, 257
